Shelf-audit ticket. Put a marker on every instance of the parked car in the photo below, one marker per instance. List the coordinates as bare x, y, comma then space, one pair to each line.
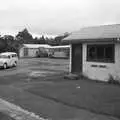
8, 59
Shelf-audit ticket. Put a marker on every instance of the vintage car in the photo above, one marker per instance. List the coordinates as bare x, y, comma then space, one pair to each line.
8, 59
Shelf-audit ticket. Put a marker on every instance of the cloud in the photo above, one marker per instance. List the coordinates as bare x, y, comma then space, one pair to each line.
57, 16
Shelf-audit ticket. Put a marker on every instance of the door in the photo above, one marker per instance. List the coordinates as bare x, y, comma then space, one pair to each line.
76, 58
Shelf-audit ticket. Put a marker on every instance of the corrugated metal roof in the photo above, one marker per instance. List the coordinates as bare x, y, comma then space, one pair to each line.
61, 46
96, 32
36, 45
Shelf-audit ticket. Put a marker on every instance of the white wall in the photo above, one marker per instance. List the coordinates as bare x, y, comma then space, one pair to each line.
21, 52
32, 52
70, 60
99, 73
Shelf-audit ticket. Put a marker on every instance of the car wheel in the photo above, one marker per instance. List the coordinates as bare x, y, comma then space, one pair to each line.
4, 66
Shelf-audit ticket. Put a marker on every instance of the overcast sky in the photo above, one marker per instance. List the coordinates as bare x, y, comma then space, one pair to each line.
56, 16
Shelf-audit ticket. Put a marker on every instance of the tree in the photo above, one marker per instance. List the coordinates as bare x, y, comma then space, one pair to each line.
51, 41
59, 38
2, 44
42, 40
36, 39
11, 44
9, 39
24, 36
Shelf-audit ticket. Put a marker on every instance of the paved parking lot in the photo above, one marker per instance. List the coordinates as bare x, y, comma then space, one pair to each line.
26, 69
37, 85
30, 64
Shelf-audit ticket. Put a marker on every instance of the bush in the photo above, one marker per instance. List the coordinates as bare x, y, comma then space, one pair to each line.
113, 80
72, 76
82, 76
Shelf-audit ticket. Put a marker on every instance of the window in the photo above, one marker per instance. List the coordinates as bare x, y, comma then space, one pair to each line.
13, 55
100, 53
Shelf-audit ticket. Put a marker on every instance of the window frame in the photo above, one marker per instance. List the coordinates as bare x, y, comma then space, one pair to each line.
104, 59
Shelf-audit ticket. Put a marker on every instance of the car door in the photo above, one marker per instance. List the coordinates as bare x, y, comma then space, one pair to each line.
10, 60
13, 59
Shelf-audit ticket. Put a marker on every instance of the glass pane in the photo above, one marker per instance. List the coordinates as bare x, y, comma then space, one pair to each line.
109, 53
92, 53
100, 52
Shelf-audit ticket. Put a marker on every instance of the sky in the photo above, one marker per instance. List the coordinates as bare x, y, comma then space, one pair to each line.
53, 17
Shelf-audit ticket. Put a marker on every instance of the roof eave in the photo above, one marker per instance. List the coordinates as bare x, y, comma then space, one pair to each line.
74, 41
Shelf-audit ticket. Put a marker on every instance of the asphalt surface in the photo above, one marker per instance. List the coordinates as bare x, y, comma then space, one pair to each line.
11, 92
26, 65
5, 117
9, 111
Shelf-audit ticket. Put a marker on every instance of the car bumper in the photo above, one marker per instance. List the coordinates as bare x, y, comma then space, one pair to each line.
1, 64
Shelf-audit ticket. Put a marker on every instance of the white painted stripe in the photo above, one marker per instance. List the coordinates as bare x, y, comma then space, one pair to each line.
17, 112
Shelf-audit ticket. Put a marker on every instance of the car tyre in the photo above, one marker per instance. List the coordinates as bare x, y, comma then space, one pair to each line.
5, 66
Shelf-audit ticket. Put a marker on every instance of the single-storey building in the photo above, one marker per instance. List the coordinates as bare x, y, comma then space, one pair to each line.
61, 51
95, 51
31, 50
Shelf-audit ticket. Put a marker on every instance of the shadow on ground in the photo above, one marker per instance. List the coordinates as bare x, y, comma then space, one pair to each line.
5, 117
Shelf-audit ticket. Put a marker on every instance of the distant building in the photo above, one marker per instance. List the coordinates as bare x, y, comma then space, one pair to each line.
31, 50
95, 51
61, 51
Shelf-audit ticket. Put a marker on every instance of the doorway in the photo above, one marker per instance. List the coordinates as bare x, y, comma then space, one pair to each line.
76, 58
